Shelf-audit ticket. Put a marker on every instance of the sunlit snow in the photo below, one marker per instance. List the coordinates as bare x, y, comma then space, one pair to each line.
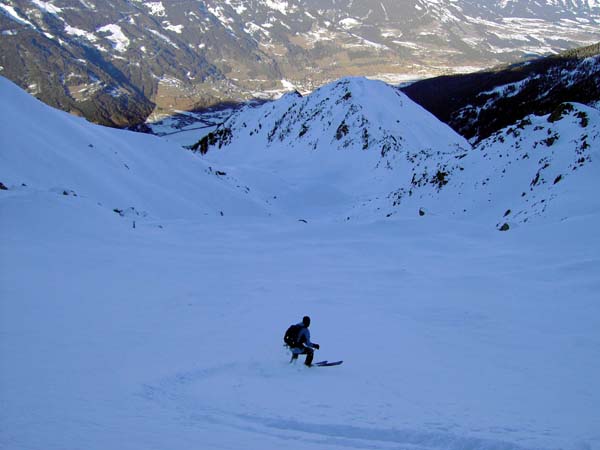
145, 289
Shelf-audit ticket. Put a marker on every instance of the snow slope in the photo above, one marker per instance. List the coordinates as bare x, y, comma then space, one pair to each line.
135, 173
326, 154
359, 149
537, 168
454, 335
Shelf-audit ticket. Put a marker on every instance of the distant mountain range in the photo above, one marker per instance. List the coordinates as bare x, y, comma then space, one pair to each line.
120, 62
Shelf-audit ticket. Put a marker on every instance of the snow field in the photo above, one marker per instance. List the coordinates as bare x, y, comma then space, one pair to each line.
169, 334
452, 337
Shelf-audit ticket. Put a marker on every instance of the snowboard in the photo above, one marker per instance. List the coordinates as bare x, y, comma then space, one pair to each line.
327, 363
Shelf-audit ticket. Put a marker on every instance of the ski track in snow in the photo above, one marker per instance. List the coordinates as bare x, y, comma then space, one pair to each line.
173, 393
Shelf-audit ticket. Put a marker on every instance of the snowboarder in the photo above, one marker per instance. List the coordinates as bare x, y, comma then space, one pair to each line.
297, 338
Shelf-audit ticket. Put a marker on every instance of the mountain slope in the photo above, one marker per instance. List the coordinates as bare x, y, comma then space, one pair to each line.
345, 144
530, 171
361, 149
479, 104
169, 335
50, 153
180, 55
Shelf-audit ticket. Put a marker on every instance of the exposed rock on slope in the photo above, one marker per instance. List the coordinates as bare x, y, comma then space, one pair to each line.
542, 166
479, 104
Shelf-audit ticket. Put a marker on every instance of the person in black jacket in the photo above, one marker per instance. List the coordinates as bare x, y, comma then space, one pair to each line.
304, 346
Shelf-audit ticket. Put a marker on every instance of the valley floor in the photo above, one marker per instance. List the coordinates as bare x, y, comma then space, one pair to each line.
169, 335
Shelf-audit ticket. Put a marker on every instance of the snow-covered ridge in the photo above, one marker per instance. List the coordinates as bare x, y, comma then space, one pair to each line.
372, 152
353, 113
540, 88
116, 171
330, 152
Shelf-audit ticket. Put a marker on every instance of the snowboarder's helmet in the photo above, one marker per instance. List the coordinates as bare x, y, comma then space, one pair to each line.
306, 321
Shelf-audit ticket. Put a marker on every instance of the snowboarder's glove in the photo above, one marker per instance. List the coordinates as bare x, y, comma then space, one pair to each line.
316, 346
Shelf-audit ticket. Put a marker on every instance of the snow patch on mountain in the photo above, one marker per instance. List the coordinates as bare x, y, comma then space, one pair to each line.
49, 7
116, 35
238, 6
81, 33
283, 7
156, 8
219, 13
350, 23
175, 28
165, 38
10, 12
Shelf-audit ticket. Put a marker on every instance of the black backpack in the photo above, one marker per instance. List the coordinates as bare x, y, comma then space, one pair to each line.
291, 336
